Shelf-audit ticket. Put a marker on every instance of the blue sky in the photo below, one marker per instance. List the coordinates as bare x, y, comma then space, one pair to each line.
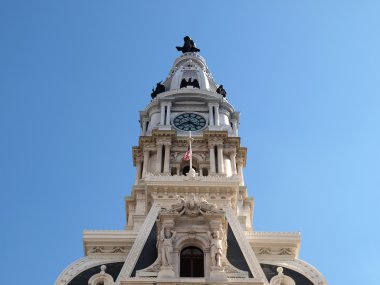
304, 75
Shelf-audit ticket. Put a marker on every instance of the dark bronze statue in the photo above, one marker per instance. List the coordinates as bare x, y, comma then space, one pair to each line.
188, 46
221, 91
159, 89
185, 83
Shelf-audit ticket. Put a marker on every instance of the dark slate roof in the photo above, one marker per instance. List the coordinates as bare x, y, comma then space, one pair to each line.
149, 253
234, 253
113, 269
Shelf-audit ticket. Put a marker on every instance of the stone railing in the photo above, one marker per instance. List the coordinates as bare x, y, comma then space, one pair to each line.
181, 178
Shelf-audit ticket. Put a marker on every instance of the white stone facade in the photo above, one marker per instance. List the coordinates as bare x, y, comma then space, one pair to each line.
185, 210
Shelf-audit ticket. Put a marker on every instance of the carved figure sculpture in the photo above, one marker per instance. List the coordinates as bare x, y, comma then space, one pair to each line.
207, 206
193, 207
216, 247
221, 91
166, 246
188, 46
159, 89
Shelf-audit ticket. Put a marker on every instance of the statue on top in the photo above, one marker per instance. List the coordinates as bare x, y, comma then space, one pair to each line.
188, 46
221, 91
159, 89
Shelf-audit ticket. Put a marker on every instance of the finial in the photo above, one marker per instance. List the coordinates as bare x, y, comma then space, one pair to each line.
188, 46
103, 269
280, 270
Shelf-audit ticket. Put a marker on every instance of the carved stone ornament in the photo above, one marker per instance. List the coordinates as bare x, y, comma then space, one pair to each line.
192, 206
270, 251
187, 223
98, 249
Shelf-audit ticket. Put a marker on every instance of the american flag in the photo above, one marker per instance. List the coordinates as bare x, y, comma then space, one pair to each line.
187, 154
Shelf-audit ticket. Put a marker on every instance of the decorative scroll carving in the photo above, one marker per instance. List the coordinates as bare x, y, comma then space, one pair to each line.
98, 249
271, 251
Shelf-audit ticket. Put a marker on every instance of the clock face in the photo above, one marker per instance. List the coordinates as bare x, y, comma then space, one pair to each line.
189, 122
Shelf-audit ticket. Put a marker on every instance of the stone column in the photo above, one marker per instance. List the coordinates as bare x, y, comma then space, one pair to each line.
235, 127
217, 123
162, 121
240, 170
210, 115
145, 163
212, 159
167, 122
144, 128
159, 158
200, 171
220, 159
233, 163
138, 170
167, 158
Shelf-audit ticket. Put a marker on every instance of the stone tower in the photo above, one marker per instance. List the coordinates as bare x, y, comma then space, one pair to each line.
189, 225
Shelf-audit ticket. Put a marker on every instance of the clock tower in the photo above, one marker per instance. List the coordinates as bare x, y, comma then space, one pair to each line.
189, 217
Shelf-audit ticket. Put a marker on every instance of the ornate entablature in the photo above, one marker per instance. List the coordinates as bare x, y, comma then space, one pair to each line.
189, 218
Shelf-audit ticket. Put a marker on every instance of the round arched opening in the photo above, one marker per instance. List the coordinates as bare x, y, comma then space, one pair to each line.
186, 169
192, 262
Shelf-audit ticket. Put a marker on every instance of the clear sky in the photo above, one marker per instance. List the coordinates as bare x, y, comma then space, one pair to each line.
304, 75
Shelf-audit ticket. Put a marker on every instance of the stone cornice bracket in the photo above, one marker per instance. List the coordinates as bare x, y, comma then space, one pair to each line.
212, 141
145, 140
136, 155
241, 156
219, 134
164, 133
164, 141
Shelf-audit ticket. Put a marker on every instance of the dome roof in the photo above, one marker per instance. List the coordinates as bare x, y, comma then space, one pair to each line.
190, 71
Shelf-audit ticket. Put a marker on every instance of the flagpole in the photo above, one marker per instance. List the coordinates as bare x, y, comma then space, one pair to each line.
191, 153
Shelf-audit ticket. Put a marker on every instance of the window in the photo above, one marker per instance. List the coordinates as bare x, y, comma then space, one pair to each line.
186, 169
192, 262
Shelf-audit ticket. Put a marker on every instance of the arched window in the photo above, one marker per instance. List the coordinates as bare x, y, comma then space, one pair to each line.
186, 169
192, 262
